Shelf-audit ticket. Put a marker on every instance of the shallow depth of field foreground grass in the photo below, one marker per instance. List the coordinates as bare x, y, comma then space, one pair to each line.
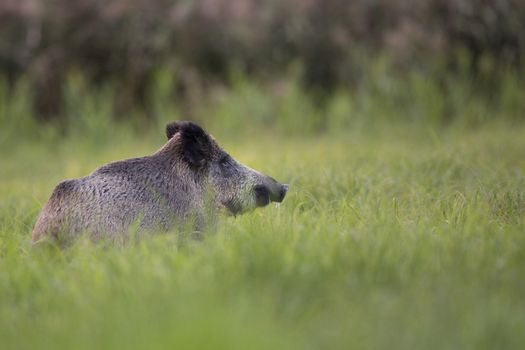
398, 237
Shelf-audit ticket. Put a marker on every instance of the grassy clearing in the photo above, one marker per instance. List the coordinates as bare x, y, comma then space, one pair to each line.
399, 237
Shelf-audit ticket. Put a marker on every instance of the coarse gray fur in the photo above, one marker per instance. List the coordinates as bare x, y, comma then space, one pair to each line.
185, 183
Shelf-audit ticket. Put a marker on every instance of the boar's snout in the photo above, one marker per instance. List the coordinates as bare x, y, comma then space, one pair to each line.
269, 192
282, 192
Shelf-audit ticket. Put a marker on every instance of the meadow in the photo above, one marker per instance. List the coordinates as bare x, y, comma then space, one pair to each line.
399, 233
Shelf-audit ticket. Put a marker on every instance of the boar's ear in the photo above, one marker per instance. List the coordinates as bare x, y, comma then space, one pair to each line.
172, 129
196, 144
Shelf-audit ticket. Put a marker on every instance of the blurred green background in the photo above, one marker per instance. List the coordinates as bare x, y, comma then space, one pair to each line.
135, 61
399, 126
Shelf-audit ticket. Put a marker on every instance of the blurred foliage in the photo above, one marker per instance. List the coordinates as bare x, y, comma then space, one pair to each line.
128, 44
250, 107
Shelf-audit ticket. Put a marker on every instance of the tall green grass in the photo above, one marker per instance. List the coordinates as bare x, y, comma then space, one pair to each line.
400, 230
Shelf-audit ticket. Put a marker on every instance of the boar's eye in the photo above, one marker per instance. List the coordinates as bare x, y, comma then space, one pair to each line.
225, 160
